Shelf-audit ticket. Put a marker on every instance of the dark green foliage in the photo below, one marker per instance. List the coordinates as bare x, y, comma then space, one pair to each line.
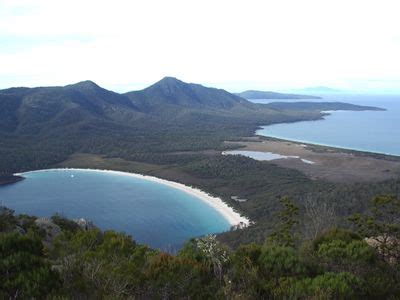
339, 255
24, 272
329, 286
336, 234
245, 271
284, 233
381, 226
175, 277
279, 261
65, 224
7, 219
108, 265
96, 264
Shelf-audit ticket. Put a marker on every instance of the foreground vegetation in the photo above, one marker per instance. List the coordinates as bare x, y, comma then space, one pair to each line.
72, 262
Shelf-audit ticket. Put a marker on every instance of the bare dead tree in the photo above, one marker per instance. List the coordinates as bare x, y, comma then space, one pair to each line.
319, 216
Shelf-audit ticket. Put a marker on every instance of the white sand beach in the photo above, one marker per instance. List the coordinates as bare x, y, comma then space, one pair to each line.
234, 218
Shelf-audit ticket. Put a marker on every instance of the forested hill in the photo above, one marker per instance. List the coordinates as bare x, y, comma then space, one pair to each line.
171, 91
251, 94
43, 109
44, 125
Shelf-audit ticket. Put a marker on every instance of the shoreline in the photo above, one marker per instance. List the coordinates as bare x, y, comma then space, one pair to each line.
323, 115
335, 147
227, 212
6, 180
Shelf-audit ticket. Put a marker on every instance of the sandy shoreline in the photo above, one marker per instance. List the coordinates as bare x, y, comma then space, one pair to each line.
234, 218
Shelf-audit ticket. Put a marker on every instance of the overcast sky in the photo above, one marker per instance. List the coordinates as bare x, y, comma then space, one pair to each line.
236, 45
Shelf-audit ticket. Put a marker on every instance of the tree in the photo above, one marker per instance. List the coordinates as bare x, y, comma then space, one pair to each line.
100, 264
209, 252
7, 219
24, 271
328, 286
319, 216
169, 277
284, 233
244, 278
381, 226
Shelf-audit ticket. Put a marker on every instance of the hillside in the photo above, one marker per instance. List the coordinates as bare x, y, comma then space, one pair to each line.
174, 92
45, 109
251, 94
44, 125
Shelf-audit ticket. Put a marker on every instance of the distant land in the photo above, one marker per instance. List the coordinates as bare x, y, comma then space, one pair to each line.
8, 179
319, 89
252, 94
321, 106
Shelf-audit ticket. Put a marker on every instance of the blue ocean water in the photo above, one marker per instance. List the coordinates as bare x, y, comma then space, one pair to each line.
153, 213
372, 131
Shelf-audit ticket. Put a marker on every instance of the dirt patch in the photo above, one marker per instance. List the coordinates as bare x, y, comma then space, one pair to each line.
326, 163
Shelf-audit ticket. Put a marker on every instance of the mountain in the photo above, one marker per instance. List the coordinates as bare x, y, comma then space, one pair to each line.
45, 125
251, 94
170, 91
30, 110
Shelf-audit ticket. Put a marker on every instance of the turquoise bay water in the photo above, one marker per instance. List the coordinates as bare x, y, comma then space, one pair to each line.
372, 131
153, 213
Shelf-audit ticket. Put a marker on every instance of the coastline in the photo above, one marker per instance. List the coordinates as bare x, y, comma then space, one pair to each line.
336, 147
5, 180
339, 145
227, 212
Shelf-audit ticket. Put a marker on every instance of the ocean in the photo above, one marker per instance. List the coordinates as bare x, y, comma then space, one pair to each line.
371, 131
153, 213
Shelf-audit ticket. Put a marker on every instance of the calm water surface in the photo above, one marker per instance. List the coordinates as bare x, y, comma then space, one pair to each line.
152, 213
373, 131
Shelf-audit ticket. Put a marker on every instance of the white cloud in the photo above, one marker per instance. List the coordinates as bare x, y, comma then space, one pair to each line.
275, 44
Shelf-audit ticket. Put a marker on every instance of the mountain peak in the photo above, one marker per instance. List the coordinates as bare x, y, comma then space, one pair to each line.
86, 84
169, 81
173, 91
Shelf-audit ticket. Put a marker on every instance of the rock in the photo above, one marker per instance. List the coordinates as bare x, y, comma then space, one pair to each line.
84, 224
19, 230
50, 229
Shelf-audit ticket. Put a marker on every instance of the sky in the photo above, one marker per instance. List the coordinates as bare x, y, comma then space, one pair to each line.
236, 45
